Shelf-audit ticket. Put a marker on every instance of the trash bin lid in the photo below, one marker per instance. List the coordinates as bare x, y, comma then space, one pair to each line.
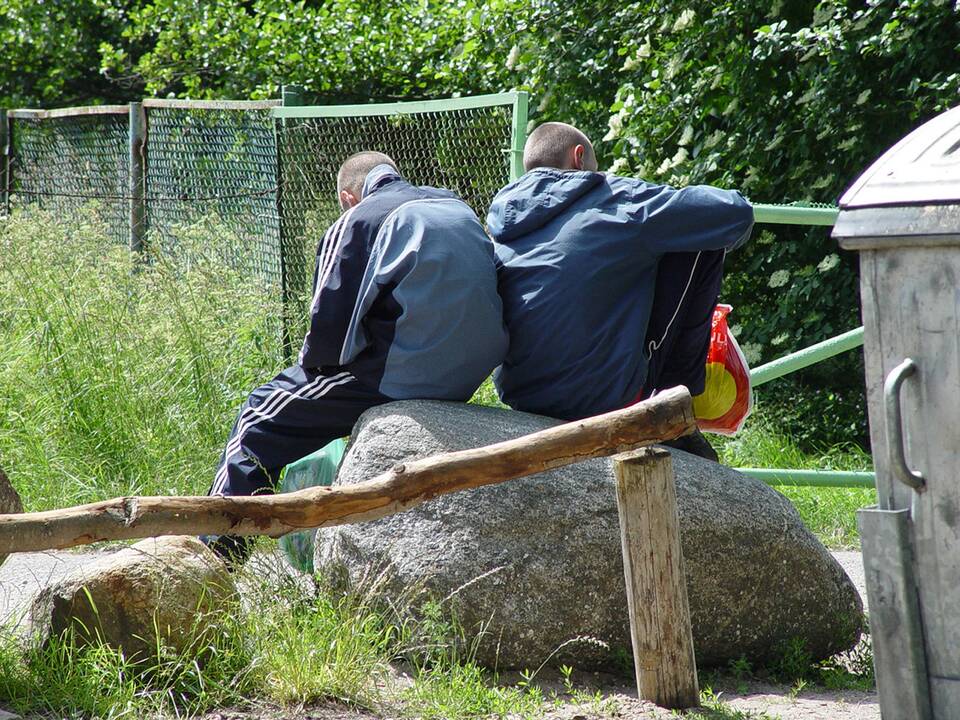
913, 190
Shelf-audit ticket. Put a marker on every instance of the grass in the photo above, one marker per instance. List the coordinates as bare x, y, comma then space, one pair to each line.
284, 644
119, 377
291, 644
829, 512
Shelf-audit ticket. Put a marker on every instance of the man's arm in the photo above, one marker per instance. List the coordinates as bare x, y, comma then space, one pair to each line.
340, 267
698, 217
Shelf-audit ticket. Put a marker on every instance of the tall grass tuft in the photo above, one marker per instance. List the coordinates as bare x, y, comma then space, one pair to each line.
118, 375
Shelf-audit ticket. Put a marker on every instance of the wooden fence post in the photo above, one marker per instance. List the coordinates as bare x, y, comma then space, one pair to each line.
137, 180
656, 586
5, 153
290, 224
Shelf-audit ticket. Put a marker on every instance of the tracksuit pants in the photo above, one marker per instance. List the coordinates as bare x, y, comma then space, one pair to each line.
296, 413
678, 333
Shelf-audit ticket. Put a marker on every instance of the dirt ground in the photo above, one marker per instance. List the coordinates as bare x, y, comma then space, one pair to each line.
736, 701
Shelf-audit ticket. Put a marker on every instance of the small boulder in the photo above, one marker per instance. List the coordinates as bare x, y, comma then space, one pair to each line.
9, 501
537, 561
162, 586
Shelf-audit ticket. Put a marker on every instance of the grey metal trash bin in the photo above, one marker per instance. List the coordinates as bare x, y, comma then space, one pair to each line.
903, 216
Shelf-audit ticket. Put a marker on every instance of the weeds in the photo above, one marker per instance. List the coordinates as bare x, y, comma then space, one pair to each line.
794, 666
713, 708
287, 643
122, 377
117, 376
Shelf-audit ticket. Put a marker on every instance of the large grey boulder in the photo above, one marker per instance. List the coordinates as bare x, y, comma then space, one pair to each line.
537, 561
157, 589
9, 501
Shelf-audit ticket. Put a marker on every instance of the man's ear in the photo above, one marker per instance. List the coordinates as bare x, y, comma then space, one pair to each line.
347, 200
578, 152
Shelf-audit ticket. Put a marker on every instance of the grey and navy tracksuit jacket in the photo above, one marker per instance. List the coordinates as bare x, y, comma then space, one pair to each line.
608, 286
405, 305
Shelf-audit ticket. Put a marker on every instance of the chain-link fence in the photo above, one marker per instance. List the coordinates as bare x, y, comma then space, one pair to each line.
215, 164
65, 160
466, 149
263, 176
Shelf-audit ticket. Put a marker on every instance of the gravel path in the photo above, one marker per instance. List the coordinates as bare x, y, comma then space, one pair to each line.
852, 562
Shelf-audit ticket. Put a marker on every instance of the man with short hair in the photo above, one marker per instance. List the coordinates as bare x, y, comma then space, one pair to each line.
608, 283
404, 305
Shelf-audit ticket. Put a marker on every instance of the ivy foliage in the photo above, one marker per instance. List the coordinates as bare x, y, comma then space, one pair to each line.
788, 101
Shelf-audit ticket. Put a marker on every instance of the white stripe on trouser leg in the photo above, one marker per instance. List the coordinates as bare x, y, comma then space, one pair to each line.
312, 391
655, 344
278, 396
276, 402
253, 416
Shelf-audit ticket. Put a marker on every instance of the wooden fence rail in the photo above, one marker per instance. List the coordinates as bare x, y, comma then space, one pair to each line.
666, 416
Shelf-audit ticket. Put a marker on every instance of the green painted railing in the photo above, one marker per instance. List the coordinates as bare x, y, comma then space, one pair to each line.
796, 214
814, 478
806, 357
824, 215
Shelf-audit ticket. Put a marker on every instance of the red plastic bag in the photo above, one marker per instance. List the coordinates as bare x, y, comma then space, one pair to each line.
727, 398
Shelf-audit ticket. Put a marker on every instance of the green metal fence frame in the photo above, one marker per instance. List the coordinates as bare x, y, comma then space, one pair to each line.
801, 215
517, 100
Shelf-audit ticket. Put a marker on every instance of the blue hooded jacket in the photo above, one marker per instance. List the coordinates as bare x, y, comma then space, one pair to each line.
577, 256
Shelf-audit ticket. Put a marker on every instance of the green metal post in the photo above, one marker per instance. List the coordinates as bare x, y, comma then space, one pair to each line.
808, 356
291, 95
291, 229
4, 162
519, 135
137, 180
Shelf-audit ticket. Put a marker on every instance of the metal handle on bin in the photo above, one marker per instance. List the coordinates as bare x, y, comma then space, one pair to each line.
891, 398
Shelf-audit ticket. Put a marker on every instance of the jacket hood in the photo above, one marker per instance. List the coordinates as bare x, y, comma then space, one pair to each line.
535, 199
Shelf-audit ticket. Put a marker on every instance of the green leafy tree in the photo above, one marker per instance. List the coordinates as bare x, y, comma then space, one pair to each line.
788, 101
49, 52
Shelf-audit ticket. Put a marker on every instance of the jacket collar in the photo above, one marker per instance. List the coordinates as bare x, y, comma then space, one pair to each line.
378, 177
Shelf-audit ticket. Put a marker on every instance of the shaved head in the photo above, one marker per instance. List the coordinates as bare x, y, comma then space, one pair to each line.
554, 145
355, 169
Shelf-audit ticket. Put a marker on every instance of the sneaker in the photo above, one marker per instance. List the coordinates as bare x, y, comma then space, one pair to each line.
695, 444
234, 550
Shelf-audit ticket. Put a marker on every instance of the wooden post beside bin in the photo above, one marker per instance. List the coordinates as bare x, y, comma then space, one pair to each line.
660, 627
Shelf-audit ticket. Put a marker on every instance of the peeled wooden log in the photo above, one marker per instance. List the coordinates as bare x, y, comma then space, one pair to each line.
666, 416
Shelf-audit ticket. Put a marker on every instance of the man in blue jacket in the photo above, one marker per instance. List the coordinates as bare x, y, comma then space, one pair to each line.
405, 305
608, 283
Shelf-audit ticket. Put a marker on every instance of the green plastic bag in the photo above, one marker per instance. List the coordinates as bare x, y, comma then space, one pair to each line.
319, 468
